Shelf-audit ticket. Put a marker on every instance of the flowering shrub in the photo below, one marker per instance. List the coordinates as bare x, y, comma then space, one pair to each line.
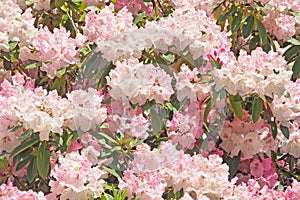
132, 99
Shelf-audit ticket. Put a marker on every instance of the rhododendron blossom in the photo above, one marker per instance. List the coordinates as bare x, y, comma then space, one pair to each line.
8, 191
247, 137
106, 24
138, 83
74, 177
282, 26
268, 72
55, 50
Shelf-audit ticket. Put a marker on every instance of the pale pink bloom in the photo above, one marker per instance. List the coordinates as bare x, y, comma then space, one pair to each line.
138, 82
85, 111
135, 6
187, 84
106, 24
55, 50
247, 137
280, 25
260, 66
9, 192
75, 178
186, 127
287, 107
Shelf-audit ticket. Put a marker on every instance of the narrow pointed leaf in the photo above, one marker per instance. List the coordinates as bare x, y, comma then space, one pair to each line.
236, 105
256, 109
285, 131
43, 160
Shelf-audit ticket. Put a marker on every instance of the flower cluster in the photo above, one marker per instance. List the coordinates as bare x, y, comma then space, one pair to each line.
282, 26
55, 50
268, 71
8, 192
185, 127
45, 112
138, 83
127, 121
15, 25
247, 137
187, 84
106, 24
76, 178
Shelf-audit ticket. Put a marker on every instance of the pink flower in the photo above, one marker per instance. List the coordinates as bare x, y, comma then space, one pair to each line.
256, 168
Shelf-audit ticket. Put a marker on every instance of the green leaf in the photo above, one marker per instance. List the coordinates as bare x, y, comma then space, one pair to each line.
233, 165
23, 162
108, 138
155, 121
296, 68
139, 17
295, 41
3, 179
3, 163
62, 71
33, 65
237, 19
285, 131
253, 42
248, 26
14, 129
262, 32
5, 55
13, 45
169, 57
291, 52
25, 145
31, 170
108, 197
222, 18
59, 85
235, 101
274, 129
43, 160
112, 172
256, 109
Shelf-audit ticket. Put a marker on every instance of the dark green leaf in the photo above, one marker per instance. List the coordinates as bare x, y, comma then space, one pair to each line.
235, 101
236, 22
5, 55
291, 52
59, 85
31, 170
253, 42
296, 68
25, 145
226, 15
248, 26
233, 165
274, 129
285, 131
3, 163
256, 109
22, 163
262, 32
43, 160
